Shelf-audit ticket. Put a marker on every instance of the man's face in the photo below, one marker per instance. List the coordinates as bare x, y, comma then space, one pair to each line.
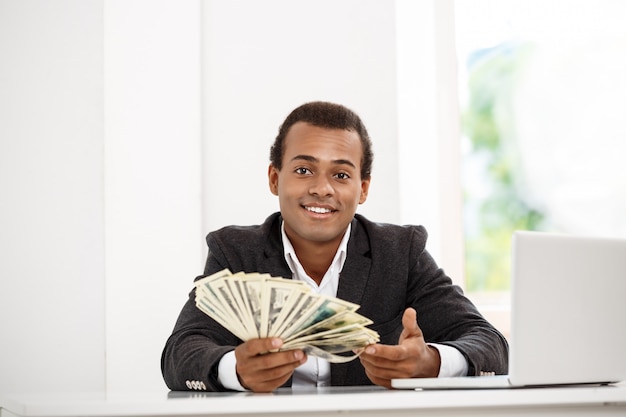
319, 186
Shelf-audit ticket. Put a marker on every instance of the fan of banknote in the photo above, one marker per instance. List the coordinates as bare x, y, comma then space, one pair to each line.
252, 305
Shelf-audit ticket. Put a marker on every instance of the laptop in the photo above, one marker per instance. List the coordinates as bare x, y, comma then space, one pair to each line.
568, 315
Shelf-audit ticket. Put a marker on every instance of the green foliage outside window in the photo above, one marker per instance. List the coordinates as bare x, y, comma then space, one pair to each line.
488, 125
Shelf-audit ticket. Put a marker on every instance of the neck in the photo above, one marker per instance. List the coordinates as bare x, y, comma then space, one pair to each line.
316, 258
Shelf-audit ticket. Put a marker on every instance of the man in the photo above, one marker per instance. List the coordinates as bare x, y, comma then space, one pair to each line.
320, 170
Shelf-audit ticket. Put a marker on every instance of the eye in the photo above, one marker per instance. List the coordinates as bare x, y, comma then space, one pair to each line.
302, 171
342, 176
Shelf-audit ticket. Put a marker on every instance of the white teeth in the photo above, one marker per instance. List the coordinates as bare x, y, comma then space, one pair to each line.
319, 210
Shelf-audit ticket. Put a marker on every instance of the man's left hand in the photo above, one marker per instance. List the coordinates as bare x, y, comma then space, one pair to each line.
410, 358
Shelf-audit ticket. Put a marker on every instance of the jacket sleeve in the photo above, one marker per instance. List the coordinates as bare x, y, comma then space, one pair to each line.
192, 353
447, 316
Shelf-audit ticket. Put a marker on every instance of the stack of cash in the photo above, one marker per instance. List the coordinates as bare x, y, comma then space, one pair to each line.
258, 305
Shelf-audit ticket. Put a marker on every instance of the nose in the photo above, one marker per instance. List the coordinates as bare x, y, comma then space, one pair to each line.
321, 186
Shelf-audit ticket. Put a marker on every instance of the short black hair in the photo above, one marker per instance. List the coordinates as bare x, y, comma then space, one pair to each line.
330, 116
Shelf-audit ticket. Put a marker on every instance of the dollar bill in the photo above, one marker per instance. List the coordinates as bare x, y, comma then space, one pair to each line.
307, 302
276, 296
339, 320
253, 289
253, 305
322, 309
230, 306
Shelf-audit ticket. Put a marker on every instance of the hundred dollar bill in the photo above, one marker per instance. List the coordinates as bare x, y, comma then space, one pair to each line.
207, 295
253, 289
237, 294
211, 312
276, 294
346, 343
324, 308
339, 320
300, 309
229, 304
331, 333
291, 306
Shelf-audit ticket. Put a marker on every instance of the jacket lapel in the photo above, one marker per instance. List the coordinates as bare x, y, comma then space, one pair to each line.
356, 269
274, 257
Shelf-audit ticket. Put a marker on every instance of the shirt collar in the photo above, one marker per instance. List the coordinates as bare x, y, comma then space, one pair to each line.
335, 267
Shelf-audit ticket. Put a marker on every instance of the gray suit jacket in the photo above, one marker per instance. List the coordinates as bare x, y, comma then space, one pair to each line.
387, 269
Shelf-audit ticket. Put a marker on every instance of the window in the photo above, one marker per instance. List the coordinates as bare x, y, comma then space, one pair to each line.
542, 98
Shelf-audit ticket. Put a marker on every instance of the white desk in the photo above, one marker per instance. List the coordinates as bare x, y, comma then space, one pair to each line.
361, 401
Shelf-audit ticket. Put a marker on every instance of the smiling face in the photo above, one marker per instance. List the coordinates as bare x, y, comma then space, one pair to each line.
319, 186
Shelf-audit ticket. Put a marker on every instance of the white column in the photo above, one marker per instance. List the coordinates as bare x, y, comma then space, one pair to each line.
428, 128
154, 239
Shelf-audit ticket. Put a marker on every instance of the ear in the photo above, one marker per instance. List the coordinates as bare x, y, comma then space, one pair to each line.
272, 177
365, 187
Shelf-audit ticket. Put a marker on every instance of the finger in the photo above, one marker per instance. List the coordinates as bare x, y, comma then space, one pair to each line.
260, 370
404, 365
254, 347
380, 354
409, 318
272, 369
255, 356
381, 371
410, 328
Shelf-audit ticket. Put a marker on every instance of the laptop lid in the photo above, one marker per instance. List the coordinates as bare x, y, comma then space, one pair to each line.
567, 310
568, 306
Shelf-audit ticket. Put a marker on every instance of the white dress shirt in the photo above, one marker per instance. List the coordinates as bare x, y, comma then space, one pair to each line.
316, 371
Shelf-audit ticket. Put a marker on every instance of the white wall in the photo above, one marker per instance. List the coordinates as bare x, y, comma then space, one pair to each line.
130, 129
263, 59
51, 202
386, 60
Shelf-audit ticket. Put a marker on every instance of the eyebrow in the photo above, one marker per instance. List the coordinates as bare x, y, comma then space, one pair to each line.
310, 158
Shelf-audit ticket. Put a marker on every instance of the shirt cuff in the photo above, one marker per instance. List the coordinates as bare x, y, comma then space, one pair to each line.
453, 363
227, 372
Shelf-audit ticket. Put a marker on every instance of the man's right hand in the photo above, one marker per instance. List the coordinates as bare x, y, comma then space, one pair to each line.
261, 368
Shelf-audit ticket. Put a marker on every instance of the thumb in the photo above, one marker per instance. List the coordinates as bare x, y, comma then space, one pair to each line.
410, 327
